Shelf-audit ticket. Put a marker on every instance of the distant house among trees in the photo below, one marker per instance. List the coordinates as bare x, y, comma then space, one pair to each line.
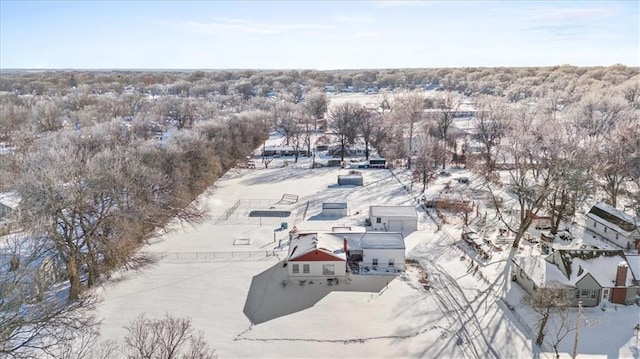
283, 151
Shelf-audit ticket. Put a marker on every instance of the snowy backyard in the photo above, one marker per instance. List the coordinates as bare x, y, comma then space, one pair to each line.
226, 274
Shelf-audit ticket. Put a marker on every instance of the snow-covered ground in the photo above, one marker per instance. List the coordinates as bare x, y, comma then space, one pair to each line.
234, 292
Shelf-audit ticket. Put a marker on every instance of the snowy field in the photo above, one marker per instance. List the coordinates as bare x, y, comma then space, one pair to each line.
226, 275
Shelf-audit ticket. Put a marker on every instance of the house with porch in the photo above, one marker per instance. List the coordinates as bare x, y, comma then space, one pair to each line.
331, 255
593, 276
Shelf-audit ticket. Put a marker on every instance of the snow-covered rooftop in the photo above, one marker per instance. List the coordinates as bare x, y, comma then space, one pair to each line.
393, 211
602, 265
634, 264
615, 219
373, 240
10, 199
309, 242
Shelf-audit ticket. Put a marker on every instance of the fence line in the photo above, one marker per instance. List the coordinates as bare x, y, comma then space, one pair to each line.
527, 328
228, 212
207, 257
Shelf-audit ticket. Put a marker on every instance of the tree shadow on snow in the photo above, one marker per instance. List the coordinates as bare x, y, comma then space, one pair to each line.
273, 295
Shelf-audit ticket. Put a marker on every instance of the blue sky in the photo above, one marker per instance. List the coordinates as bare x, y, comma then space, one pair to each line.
316, 35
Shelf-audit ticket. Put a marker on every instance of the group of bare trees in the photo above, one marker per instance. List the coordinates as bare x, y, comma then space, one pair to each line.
90, 198
557, 155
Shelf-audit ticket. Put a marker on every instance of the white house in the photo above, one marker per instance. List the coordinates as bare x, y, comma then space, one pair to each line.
334, 209
393, 218
614, 225
328, 255
316, 255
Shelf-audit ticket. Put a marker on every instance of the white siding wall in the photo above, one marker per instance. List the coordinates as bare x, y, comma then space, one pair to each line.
609, 234
383, 256
409, 225
315, 269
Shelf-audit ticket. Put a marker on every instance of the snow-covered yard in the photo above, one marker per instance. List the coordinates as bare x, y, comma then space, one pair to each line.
244, 310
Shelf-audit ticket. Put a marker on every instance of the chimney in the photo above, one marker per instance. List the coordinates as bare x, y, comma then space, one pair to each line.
621, 275
344, 246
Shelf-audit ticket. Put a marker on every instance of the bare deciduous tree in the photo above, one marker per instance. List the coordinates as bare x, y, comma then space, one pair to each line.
167, 338
552, 303
344, 120
408, 107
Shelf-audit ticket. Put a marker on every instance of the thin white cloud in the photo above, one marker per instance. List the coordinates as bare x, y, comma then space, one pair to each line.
367, 34
355, 18
385, 4
250, 27
570, 14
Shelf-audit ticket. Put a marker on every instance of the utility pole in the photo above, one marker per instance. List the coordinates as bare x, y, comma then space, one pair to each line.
575, 343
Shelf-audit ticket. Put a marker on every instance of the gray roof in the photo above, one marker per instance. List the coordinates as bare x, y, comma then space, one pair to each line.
393, 211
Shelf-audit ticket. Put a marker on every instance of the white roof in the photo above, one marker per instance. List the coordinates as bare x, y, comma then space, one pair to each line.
10, 199
309, 242
634, 264
393, 211
602, 268
333, 242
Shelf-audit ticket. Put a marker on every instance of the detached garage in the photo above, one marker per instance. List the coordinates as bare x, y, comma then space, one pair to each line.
393, 218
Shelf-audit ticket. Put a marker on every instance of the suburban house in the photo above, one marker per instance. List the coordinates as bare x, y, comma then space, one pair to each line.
393, 218
593, 276
332, 254
334, 209
614, 225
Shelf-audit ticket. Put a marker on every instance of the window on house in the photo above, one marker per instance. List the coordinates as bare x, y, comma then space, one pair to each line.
378, 220
595, 224
605, 229
391, 262
577, 294
295, 268
305, 268
374, 261
328, 269
584, 293
617, 236
593, 294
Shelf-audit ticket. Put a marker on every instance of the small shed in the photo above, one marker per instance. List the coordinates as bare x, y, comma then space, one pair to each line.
350, 180
334, 209
393, 218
